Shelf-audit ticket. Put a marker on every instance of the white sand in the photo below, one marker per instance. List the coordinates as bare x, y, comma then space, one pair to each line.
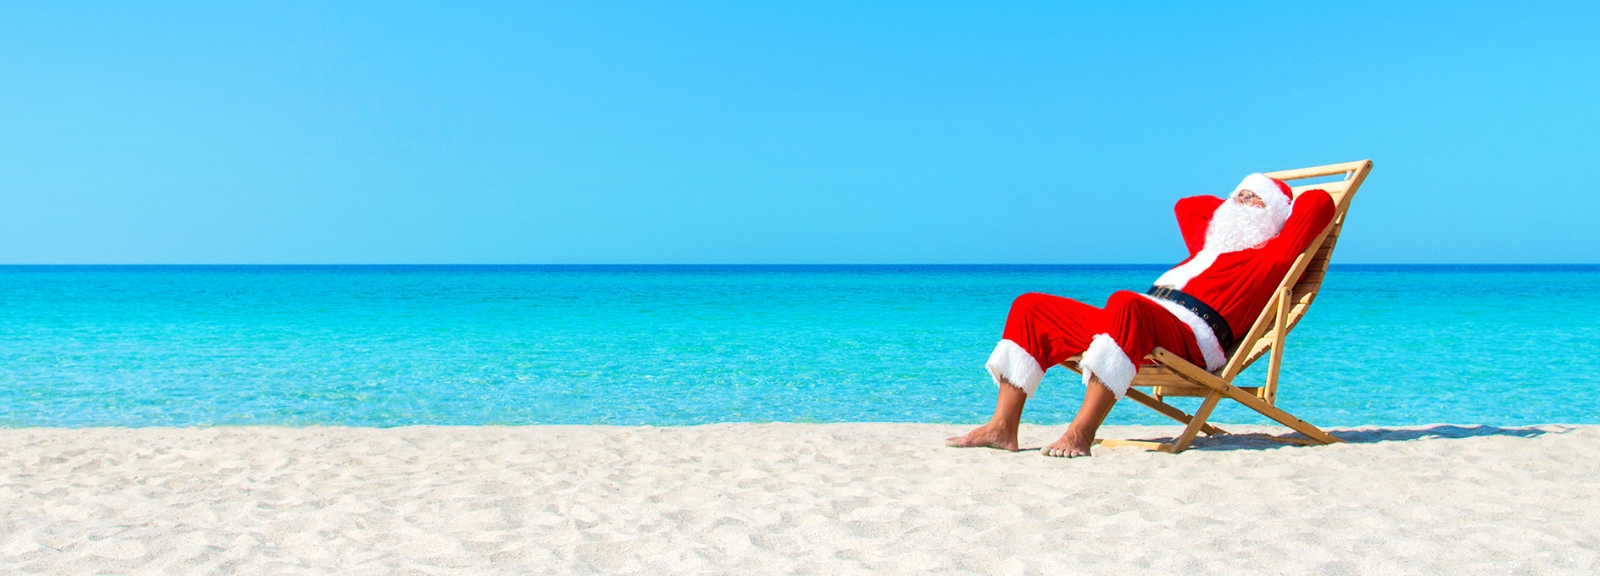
785, 498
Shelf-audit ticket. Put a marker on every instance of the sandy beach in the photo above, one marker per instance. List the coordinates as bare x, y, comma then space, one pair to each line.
791, 498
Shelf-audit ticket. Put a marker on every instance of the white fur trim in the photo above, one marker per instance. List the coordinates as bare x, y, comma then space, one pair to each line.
1207, 338
1106, 360
1015, 365
1180, 275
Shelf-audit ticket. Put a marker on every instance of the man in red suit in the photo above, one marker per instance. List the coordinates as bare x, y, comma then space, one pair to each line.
1239, 248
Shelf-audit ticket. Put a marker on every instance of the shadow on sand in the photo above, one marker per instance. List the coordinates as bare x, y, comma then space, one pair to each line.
1259, 441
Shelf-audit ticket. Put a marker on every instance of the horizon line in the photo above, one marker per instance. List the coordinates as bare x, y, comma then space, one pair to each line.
749, 265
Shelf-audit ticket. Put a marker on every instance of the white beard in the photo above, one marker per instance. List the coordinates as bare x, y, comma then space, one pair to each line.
1235, 226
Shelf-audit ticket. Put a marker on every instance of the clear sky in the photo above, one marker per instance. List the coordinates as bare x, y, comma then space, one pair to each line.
761, 132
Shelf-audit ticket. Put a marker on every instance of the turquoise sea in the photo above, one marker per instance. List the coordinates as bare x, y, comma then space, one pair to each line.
671, 345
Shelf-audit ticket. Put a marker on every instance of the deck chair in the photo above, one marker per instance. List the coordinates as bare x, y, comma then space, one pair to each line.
1172, 376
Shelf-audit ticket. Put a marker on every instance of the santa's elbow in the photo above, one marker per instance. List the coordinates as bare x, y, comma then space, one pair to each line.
1028, 301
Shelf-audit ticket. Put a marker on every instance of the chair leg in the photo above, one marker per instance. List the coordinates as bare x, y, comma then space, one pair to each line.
1195, 424
1195, 374
1171, 411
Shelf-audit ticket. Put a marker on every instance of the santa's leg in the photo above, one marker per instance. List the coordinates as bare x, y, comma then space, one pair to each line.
1135, 326
1097, 403
1001, 430
1041, 331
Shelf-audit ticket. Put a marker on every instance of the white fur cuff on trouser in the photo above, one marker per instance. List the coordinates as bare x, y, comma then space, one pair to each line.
1015, 365
1104, 359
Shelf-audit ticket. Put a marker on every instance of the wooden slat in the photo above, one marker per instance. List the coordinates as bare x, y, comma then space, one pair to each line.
1334, 188
1187, 390
1166, 391
1259, 350
1147, 381
1318, 171
1182, 389
1295, 314
1146, 444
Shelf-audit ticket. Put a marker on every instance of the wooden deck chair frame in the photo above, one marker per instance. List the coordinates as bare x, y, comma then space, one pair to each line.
1171, 375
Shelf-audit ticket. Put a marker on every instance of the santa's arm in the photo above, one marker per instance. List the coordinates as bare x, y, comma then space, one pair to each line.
1194, 215
1313, 209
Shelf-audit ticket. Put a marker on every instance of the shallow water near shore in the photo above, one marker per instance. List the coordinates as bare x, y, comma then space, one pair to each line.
672, 345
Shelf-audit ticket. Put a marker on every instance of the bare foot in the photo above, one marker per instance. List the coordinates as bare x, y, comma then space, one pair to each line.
985, 436
1071, 445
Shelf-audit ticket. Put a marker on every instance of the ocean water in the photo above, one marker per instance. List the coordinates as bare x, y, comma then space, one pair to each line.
673, 345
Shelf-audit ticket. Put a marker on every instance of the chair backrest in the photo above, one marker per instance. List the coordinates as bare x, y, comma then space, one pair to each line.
1304, 278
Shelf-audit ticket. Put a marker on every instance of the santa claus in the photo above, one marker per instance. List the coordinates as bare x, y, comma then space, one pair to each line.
1239, 248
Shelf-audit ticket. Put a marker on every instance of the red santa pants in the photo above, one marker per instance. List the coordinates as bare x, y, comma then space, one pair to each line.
1043, 330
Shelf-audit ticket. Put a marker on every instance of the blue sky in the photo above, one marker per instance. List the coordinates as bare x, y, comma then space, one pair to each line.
740, 132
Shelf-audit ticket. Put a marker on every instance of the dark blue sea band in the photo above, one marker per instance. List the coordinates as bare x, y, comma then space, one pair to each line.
1218, 324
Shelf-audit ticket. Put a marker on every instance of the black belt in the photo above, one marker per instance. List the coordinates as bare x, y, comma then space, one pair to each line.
1219, 325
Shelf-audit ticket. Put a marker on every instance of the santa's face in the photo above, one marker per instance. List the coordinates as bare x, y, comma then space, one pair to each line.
1247, 196
1241, 222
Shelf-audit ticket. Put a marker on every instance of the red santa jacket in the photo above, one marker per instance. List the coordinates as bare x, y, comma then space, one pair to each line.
1239, 284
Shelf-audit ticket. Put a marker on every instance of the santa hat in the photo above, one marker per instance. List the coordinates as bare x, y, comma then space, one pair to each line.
1273, 192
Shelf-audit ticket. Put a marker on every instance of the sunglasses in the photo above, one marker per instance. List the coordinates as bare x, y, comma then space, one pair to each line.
1248, 196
